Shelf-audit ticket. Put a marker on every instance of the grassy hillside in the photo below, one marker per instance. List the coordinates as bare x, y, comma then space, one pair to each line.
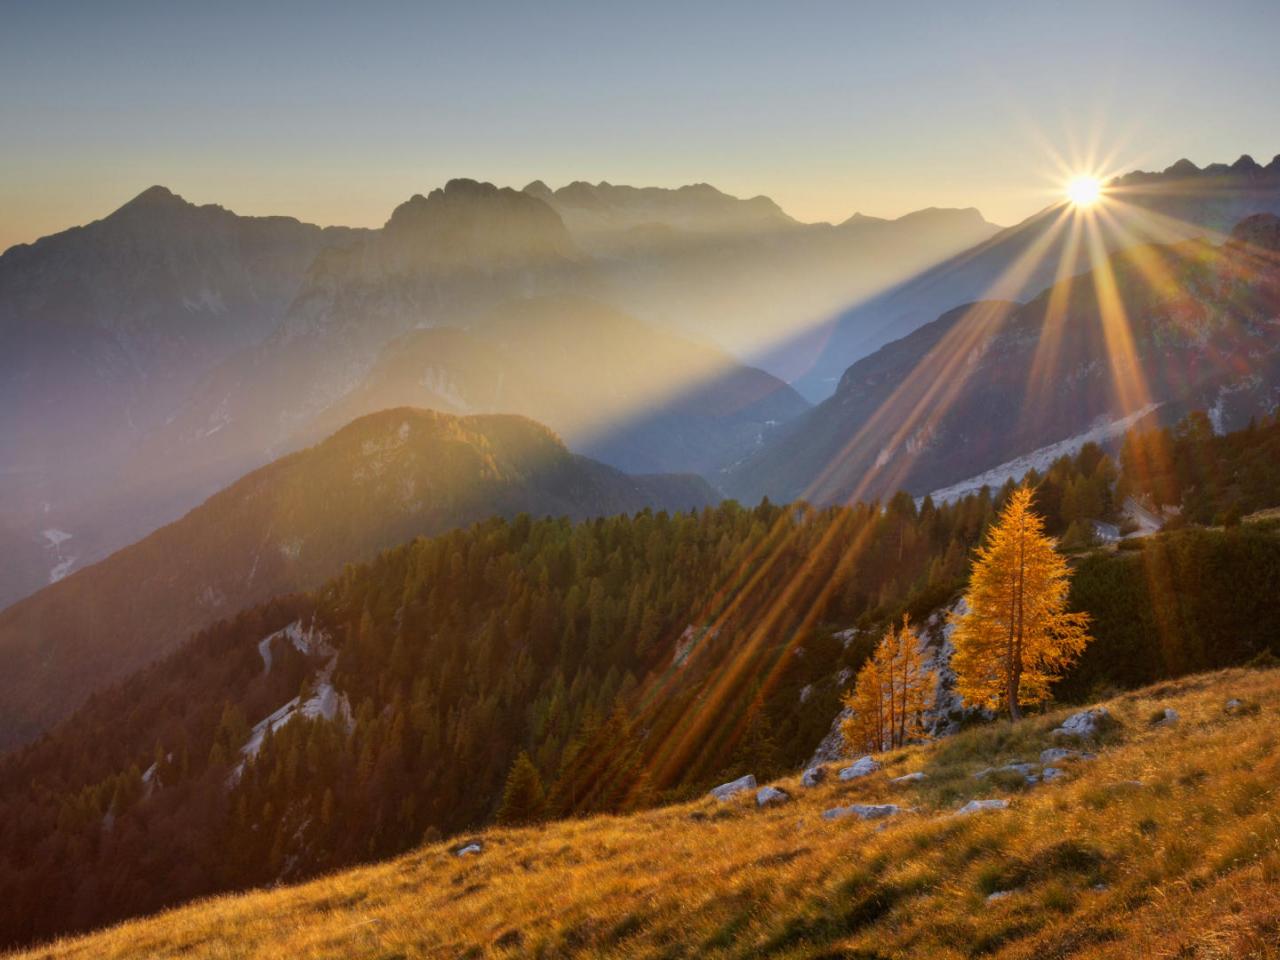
1165, 845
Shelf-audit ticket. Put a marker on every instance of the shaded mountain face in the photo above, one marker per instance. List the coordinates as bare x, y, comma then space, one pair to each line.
1158, 329
636, 396
103, 330
380, 481
743, 274
1181, 203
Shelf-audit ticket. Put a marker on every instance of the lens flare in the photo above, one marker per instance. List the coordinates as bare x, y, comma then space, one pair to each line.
1084, 191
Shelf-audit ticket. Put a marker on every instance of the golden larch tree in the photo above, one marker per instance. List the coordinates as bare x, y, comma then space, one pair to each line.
889, 696
1017, 635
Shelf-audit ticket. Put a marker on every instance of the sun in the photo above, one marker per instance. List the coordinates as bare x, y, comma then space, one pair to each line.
1084, 191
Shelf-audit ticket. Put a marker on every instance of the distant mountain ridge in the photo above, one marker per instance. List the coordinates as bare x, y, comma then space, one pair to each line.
377, 482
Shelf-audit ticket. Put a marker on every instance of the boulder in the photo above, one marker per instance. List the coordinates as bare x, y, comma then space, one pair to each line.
1166, 719
908, 778
734, 787
977, 806
1084, 725
771, 796
1232, 705
863, 811
998, 895
813, 776
1051, 773
468, 849
860, 768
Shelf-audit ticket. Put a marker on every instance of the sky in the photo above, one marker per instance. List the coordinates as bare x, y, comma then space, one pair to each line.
334, 113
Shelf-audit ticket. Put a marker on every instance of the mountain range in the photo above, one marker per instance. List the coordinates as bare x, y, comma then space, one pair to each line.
992, 389
156, 355
1182, 202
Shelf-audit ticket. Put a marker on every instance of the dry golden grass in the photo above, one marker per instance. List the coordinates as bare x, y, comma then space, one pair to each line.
1186, 865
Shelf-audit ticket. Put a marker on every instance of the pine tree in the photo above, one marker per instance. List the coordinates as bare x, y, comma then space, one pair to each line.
523, 798
889, 696
1017, 636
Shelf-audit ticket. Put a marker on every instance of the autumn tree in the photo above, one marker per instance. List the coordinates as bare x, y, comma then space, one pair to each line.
889, 696
1016, 637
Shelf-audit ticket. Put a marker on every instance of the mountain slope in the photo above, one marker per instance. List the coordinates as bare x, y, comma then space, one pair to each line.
635, 396
104, 328
378, 482
1164, 845
1167, 328
1181, 203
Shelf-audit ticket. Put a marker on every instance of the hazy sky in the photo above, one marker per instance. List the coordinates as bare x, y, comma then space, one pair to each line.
335, 113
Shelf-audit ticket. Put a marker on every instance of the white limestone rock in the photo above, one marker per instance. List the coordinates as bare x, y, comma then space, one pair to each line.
771, 796
863, 811
731, 789
813, 776
1083, 725
864, 766
977, 806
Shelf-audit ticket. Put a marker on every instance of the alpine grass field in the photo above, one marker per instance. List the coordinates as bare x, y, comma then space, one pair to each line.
1165, 845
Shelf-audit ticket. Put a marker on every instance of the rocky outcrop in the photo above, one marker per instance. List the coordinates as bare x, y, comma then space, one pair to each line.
945, 712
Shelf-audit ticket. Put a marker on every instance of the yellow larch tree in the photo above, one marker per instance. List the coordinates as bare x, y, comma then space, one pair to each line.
1017, 636
889, 696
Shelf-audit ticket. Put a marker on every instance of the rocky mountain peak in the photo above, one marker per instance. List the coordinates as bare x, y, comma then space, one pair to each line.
469, 220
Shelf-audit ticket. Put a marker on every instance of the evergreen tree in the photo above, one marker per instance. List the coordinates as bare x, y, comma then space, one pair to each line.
523, 798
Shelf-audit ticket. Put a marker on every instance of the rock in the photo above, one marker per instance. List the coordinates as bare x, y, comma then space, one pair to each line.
907, 778
771, 796
1084, 725
813, 776
1056, 754
734, 787
1051, 773
1167, 719
468, 849
860, 768
863, 811
976, 806
998, 895
1232, 705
